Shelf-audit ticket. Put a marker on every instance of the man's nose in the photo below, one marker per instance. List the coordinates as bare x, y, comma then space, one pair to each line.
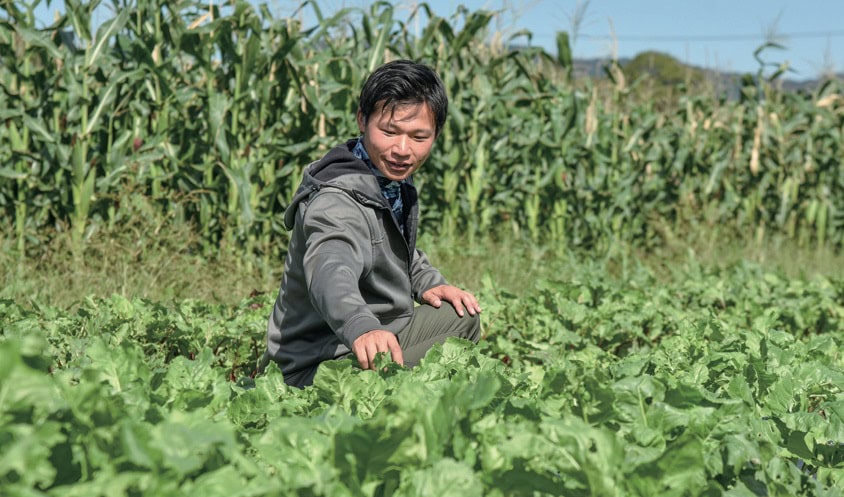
401, 145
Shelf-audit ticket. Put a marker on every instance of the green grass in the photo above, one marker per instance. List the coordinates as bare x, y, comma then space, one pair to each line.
150, 256
147, 258
710, 247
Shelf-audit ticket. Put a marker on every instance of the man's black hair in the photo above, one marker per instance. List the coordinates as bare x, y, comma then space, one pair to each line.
402, 82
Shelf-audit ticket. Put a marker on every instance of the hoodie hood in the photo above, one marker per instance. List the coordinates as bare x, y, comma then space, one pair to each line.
339, 168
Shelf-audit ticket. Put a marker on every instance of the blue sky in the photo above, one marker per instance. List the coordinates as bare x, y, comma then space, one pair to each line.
716, 34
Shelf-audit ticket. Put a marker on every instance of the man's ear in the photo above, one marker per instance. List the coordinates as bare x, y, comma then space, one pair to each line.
361, 122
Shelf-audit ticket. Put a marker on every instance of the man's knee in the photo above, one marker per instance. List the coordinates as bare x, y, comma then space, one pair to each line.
472, 327
467, 326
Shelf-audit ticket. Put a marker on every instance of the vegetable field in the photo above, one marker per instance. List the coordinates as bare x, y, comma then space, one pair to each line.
713, 383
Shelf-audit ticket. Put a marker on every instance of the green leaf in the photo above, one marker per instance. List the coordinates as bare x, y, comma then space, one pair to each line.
104, 35
37, 127
10, 173
39, 39
106, 100
446, 478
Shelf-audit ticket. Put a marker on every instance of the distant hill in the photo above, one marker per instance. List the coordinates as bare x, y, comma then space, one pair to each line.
724, 80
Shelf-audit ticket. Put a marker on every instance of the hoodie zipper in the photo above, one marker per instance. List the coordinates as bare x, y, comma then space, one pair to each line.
386, 207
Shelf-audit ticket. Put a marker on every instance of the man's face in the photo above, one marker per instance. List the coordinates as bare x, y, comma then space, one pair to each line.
398, 140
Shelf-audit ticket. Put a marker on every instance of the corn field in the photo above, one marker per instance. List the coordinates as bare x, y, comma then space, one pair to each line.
210, 112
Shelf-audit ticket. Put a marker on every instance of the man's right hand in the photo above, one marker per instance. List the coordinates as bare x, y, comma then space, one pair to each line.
368, 345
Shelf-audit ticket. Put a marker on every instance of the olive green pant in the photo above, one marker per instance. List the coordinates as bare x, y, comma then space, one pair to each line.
428, 326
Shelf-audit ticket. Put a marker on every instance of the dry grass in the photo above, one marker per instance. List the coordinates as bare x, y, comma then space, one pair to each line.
151, 257
146, 256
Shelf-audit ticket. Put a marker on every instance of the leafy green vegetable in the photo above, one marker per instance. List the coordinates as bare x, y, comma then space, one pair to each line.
588, 386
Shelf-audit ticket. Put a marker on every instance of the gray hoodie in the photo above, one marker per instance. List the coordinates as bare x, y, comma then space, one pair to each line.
349, 269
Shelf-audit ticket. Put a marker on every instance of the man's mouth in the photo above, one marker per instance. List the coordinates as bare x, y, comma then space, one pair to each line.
399, 166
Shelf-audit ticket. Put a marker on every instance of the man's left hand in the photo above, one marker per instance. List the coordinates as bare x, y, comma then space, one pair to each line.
458, 298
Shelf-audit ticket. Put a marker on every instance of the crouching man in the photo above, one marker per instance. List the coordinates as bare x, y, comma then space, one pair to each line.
352, 271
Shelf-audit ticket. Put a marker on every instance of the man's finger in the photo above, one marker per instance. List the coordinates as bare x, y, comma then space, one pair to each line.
472, 305
469, 307
457, 303
362, 359
373, 351
368, 354
458, 307
395, 351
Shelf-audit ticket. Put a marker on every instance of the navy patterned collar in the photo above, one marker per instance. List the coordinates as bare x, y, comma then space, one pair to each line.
390, 190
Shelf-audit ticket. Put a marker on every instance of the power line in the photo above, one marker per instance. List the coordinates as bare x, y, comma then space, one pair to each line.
736, 37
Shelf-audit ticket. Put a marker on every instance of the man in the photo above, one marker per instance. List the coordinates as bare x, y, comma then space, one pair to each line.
352, 270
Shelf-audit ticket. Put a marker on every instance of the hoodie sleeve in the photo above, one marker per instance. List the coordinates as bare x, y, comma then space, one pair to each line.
423, 276
337, 253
